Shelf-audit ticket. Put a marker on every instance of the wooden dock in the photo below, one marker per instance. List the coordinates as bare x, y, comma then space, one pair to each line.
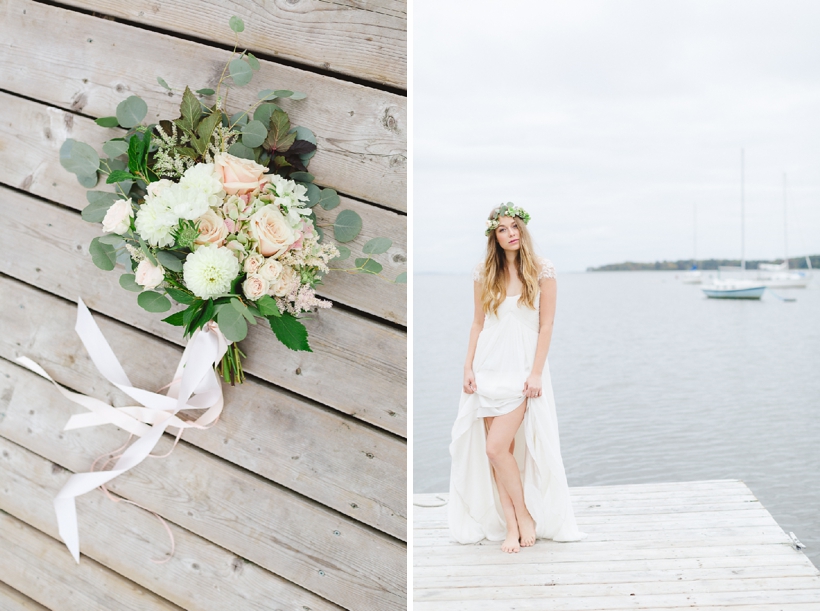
297, 498
706, 545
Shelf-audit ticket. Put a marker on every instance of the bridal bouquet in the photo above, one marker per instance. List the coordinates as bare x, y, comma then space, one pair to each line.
215, 212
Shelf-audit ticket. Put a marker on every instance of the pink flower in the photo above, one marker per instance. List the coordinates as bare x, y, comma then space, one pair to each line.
239, 176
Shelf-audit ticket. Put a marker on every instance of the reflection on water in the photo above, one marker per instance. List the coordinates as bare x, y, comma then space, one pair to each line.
653, 383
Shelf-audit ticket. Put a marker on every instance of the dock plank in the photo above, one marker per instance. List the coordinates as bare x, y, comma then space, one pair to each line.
12, 600
87, 65
733, 557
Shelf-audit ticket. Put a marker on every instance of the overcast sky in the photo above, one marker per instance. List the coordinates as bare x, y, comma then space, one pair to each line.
609, 121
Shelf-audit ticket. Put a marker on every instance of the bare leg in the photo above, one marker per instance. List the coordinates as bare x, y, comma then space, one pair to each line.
511, 543
499, 440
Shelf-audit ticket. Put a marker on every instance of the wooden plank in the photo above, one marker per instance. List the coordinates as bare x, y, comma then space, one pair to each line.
30, 138
351, 467
365, 39
12, 600
306, 543
33, 564
358, 366
127, 539
84, 64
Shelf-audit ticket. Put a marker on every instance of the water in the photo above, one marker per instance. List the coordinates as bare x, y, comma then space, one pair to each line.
653, 383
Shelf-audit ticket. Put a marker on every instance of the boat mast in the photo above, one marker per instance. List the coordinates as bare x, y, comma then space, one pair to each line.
785, 224
742, 219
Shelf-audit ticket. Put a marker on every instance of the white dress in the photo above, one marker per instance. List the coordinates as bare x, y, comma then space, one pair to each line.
503, 361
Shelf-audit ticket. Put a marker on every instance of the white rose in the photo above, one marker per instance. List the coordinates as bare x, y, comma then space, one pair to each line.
285, 284
254, 287
272, 231
149, 276
212, 229
271, 270
118, 217
253, 262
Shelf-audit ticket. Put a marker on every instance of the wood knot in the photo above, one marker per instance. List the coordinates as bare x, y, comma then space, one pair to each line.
237, 565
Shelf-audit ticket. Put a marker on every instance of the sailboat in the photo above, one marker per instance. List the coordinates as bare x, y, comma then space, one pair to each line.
737, 288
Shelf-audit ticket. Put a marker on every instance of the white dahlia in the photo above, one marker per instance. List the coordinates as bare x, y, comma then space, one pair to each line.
198, 189
209, 271
155, 221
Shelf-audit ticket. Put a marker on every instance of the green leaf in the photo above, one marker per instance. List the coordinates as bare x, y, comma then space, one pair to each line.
283, 93
240, 118
278, 135
232, 323
153, 301
377, 246
205, 130
297, 95
263, 113
162, 82
329, 199
290, 332
115, 148
79, 158
237, 25
88, 181
175, 319
314, 193
237, 149
107, 121
267, 306
131, 111
206, 314
103, 255
254, 134
302, 176
303, 133
267, 94
347, 226
401, 278
190, 109
344, 253
180, 296
241, 72
118, 164
170, 261
119, 176
243, 309
369, 266
115, 240
98, 204
205, 91
136, 153
129, 283
252, 61
147, 251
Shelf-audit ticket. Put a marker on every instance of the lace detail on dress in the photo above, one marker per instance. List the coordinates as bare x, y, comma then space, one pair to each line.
547, 269
477, 271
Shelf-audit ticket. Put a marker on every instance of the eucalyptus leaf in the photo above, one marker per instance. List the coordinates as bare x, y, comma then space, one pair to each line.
241, 72
283, 93
298, 95
313, 194
240, 118
290, 332
237, 25
112, 238
206, 91
103, 255
107, 121
79, 158
243, 309
252, 61
344, 253
347, 226
131, 111
115, 148
263, 113
169, 260
401, 278
162, 82
254, 134
147, 251
267, 94
368, 266
237, 149
90, 181
180, 296
129, 283
377, 246
302, 176
153, 301
232, 323
321, 233
328, 200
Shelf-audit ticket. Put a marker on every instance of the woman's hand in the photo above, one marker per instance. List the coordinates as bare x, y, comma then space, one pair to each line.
469, 382
532, 387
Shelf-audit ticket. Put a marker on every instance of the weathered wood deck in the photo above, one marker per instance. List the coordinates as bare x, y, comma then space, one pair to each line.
706, 545
297, 498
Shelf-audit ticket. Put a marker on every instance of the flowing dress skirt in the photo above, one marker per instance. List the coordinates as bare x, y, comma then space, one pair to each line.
503, 361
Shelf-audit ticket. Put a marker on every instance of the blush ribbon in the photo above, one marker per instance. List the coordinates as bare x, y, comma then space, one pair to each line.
196, 386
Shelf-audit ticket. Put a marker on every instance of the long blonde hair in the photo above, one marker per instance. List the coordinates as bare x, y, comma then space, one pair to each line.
494, 276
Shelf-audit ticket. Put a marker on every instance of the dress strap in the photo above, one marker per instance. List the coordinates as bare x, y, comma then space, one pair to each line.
547, 269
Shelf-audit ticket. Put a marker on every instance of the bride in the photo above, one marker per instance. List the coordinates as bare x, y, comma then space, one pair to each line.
507, 479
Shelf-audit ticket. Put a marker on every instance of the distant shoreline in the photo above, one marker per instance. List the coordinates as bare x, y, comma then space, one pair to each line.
703, 264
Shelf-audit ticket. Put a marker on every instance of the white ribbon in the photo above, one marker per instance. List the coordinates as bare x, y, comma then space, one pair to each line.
195, 386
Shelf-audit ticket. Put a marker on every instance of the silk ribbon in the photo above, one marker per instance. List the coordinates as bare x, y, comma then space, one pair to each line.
196, 386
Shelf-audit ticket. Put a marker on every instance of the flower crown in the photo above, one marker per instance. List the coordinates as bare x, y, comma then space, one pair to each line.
508, 209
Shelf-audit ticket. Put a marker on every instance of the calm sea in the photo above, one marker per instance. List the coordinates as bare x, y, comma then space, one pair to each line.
653, 383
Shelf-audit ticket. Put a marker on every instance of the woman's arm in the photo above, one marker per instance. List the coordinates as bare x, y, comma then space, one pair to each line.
469, 385
549, 291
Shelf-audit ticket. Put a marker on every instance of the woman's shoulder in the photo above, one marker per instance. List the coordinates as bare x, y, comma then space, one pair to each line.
545, 268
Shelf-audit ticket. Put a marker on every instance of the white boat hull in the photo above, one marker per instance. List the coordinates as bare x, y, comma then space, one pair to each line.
734, 290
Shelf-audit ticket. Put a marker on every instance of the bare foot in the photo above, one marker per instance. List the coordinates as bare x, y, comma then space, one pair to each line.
510, 544
526, 526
